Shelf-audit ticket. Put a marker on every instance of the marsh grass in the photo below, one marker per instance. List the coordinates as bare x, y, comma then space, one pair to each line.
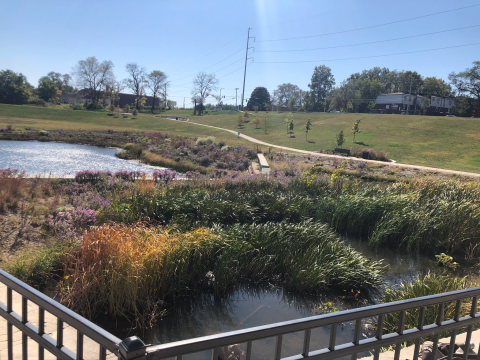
429, 216
130, 271
425, 285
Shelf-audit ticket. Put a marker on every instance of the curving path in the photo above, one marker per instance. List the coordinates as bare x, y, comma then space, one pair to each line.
415, 167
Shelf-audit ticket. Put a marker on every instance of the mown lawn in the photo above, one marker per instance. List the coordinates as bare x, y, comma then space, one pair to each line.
21, 116
450, 143
444, 142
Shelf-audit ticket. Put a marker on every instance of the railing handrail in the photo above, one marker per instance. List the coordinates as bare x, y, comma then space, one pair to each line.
83, 325
286, 327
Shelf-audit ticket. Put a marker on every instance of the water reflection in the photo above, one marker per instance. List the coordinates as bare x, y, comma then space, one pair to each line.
57, 159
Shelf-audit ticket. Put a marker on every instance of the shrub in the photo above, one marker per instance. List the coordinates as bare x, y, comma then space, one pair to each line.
77, 107
43, 133
35, 100
134, 112
205, 140
126, 108
66, 224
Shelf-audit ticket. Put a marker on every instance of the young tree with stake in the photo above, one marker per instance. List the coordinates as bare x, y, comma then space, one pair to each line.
308, 127
340, 139
356, 128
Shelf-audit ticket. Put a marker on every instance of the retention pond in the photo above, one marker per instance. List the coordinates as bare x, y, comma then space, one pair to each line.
59, 159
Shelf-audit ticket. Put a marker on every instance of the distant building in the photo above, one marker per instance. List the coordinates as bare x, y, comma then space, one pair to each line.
402, 103
81, 97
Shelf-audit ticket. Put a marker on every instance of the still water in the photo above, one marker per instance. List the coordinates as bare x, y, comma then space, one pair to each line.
203, 314
59, 159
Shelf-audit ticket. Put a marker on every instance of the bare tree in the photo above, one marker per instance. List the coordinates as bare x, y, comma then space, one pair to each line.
92, 75
203, 84
156, 82
137, 80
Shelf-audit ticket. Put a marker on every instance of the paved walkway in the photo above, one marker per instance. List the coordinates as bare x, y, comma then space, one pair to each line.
408, 352
91, 348
251, 139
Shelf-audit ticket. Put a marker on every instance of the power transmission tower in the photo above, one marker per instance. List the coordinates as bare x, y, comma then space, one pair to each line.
245, 72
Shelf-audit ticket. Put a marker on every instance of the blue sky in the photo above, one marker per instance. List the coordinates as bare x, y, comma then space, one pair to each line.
182, 38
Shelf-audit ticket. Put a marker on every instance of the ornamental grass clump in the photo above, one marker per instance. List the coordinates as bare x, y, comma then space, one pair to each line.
128, 271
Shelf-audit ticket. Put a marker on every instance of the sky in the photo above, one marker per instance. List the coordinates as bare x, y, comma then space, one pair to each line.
182, 38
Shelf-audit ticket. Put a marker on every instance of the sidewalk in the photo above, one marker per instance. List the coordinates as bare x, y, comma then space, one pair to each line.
90, 348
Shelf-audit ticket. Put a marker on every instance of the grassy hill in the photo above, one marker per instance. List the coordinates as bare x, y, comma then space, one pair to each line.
450, 143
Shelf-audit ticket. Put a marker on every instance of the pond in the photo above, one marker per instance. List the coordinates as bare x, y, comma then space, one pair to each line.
59, 159
249, 306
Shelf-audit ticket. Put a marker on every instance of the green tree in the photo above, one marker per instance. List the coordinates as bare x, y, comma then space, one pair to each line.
308, 127
156, 81
408, 81
126, 108
356, 128
240, 120
464, 106
259, 97
285, 91
288, 120
425, 104
321, 86
340, 139
291, 127
468, 82
436, 87
257, 122
47, 89
14, 88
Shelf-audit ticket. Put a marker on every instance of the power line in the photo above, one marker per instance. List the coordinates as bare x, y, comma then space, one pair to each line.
221, 47
367, 43
236, 52
372, 26
290, 21
364, 57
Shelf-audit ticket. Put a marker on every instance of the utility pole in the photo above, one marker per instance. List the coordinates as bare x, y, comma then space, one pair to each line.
409, 96
221, 95
184, 103
245, 72
165, 96
236, 106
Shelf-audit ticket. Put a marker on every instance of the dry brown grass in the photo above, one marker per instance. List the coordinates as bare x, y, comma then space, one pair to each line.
129, 270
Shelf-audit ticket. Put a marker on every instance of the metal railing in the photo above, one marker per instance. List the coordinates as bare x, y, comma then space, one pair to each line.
134, 348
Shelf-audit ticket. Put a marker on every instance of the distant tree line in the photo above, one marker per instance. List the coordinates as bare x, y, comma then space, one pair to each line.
359, 91
355, 94
95, 77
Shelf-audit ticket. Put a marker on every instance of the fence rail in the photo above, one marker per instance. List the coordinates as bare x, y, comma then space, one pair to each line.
134, 348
